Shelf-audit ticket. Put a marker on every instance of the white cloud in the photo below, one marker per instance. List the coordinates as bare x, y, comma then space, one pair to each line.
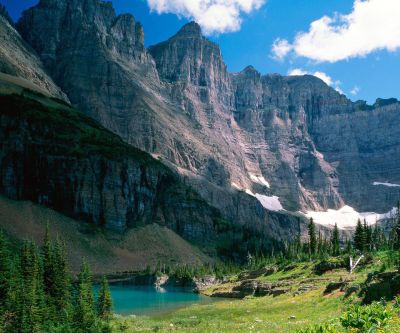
355, 90
372, 25
214, 16
281, 48
321, 75
324, 77
297, 72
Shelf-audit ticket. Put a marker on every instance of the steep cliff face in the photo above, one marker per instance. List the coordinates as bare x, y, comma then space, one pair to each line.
56, 156
184, 121
276, 113
336, 148
364, 148
99, 60
92, 53
18, 59
289, 137
189, 59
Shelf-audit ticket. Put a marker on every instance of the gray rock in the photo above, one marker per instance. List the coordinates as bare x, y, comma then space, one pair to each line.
332, 286
21, 64
58, 158
315, 147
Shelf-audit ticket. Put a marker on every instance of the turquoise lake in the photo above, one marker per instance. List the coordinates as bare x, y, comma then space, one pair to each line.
148, 300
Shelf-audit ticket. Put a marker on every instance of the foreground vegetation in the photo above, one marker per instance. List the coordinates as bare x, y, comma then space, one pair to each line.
37, 293
307, 306
308, 288
321, 295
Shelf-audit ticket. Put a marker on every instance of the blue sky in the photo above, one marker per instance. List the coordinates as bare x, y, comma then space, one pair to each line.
360, 50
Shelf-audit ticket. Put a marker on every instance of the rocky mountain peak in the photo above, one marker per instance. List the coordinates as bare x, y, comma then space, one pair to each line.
20, 65
190, 58
91, 23
307, 140
192, 30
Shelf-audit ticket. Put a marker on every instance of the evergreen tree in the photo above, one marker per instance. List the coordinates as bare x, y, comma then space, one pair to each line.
349, 247
359, 237
85, 314
393, 240
396, 228
320, 244
55, 279
104, 302
335, 242
62, 284
368, 236
31, 296
312, 237
48, 269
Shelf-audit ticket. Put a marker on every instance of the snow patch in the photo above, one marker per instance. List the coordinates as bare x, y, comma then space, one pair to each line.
259, 179
347, 217
385, 184
270, 203
319, 155
236, 186
250, 193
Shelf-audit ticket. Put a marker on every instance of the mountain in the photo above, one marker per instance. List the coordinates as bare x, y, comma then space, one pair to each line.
107, 252
121, 88
19, 62
58, 157
221, 130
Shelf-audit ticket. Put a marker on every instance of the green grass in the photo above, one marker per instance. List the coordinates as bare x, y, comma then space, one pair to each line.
282, 314
265, 314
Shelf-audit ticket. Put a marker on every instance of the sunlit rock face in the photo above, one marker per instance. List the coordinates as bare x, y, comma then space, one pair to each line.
222, 132
19, 60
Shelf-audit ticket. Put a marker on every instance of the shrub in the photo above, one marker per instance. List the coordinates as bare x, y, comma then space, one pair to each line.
366, 318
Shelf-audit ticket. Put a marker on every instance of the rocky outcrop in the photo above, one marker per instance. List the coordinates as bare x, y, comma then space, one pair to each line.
364, 148
192, 62
276, 112
254, 288
19, 60
291, 137
56, 156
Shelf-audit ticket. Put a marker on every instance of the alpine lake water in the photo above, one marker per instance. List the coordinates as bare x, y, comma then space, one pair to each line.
149, 300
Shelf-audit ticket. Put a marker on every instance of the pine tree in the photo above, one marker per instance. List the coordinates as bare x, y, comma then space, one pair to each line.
396, 228
62, 282
31, 296
359, 237
55, 279
48, 270
335, 241
393, 240
368, 236
85, 314
349, 247
104, 301
320, 244
312, 237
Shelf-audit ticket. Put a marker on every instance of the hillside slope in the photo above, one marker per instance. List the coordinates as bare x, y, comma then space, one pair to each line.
18, 59
56, 156
105, 251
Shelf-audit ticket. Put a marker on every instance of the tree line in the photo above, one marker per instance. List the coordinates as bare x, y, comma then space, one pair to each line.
366, 238
39, 294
